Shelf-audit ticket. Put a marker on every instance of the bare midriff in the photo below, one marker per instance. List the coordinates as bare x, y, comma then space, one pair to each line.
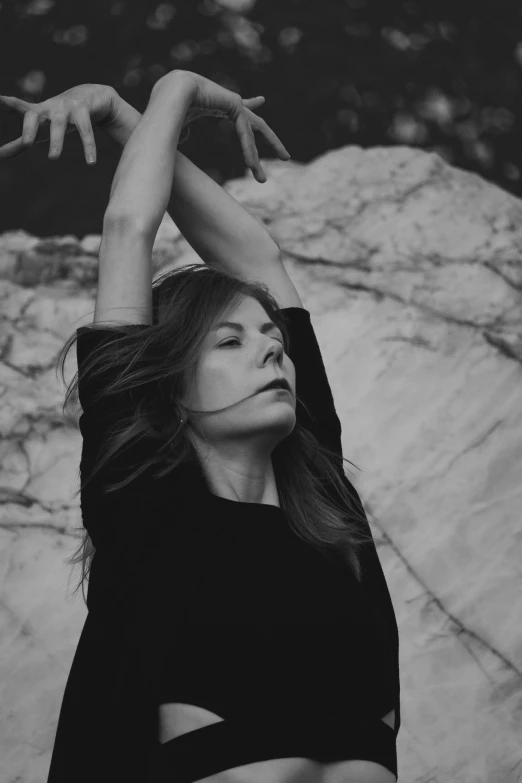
176, 719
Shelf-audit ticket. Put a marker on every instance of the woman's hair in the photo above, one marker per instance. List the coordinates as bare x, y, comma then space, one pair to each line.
187, 302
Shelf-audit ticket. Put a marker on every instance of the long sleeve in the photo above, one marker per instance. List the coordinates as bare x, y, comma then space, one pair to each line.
101, 511
313, 387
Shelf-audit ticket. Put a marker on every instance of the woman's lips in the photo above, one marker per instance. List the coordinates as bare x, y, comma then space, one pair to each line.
276, 389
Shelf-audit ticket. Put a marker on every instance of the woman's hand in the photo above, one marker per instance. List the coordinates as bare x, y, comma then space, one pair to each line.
212, 100
87, 104
77, 108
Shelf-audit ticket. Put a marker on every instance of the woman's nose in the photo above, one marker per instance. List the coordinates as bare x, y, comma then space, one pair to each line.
274, 350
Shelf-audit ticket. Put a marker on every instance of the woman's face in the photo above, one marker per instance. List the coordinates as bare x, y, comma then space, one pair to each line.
236, 363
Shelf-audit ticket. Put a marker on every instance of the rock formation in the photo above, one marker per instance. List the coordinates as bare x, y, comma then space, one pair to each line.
412, 272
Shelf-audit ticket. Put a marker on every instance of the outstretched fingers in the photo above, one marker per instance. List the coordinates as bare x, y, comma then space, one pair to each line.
248, 145
38, 127
58, 126
15, 104
246, 123
82, 120
30, 128
12, 149
260, 125
15, 148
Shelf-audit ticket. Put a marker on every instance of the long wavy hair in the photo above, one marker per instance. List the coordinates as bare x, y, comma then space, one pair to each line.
187, 302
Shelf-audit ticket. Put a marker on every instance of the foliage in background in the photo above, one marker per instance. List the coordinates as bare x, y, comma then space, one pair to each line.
438, 75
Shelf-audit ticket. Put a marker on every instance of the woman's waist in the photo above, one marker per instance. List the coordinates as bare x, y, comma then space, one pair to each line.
256, 749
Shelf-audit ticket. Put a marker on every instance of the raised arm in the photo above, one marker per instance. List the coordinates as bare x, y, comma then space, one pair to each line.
139, 196
221, 231
143, 180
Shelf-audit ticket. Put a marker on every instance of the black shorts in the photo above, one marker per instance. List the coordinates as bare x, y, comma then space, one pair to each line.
232, 743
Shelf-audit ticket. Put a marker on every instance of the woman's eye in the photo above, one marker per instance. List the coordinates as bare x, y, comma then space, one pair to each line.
235, 341
230, 342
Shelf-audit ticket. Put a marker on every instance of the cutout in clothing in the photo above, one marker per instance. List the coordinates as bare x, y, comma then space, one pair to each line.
232, 743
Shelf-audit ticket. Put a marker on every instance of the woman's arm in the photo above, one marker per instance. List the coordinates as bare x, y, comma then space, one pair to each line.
219, 229
142, 183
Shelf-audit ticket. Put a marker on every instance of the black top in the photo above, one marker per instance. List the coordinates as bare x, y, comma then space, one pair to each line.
199, 599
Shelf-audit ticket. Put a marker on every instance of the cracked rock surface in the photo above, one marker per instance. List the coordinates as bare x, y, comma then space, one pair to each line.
412, 272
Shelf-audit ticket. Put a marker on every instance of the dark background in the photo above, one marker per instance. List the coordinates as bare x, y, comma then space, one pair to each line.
441, 76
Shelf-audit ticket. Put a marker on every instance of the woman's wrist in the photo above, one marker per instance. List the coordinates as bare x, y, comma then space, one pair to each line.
174, 81
121, 122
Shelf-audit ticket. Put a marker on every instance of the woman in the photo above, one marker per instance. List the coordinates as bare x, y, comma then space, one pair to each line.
239, 626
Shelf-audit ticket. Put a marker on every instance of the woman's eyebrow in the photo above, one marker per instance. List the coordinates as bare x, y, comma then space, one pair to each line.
240, 328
